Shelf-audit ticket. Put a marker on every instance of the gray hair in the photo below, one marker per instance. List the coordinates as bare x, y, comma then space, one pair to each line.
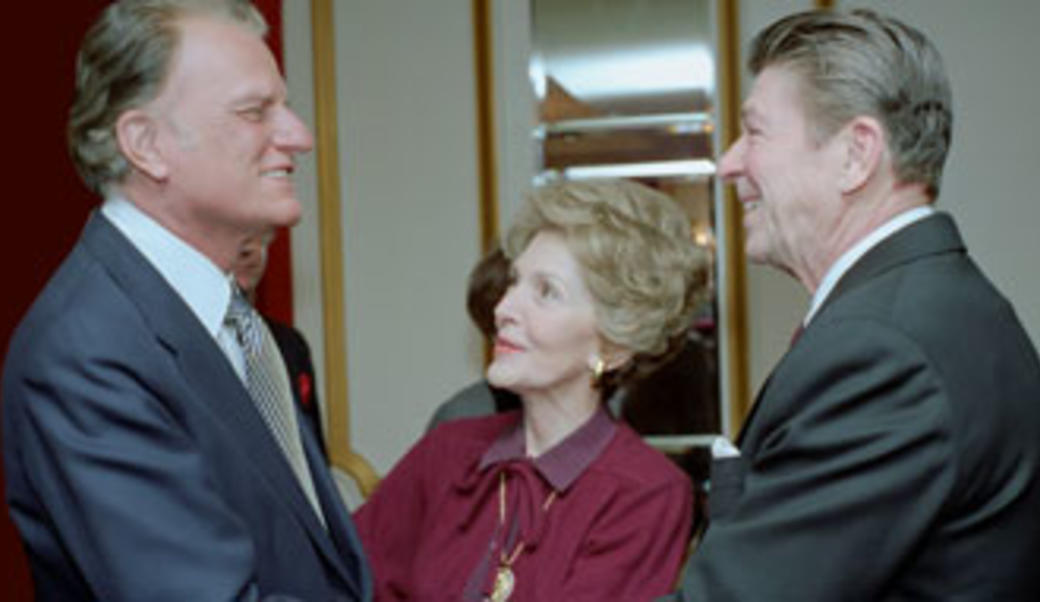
122, 64
862, 63
637, 256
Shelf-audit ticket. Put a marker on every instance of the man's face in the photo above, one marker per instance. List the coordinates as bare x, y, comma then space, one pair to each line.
785, 180
251, 263
227, 136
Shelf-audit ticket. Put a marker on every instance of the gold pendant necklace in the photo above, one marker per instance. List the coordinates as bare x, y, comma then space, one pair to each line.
504, 583
505, 580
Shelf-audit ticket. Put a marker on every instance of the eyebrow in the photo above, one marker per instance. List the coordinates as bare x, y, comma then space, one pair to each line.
537, 274
748, 113
251, 98
255, 92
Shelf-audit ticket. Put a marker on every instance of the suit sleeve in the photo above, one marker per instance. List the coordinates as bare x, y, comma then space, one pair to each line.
635, 549
121, 480
847, 466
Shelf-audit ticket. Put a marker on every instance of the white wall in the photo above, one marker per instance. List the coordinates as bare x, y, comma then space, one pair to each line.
408, 161
515, 106
407, 145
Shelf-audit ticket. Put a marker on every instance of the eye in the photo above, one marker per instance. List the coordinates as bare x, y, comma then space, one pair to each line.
546, 290
254, 113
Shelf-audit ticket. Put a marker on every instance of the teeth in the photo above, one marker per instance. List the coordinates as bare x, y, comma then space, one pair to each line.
277, 173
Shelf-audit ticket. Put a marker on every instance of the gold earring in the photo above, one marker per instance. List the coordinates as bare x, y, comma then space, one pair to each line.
597, 371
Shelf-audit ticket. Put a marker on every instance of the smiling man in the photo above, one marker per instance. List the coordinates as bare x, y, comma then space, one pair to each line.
151, 447
894, 452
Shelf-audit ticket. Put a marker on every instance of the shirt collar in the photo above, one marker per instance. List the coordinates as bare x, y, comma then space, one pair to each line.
858, 250
199, 282
565, 461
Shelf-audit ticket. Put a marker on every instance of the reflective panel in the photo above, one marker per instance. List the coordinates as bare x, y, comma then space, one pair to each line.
627, 88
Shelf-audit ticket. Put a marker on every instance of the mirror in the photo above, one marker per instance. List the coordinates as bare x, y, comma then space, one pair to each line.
578, 89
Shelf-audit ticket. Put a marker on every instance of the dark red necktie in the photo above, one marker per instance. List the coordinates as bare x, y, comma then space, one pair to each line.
796, 334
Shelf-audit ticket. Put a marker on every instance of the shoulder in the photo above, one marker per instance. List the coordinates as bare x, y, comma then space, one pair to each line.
845, 360
631, 462
474, 400
472, 431
460, 442
80, 311
448, 452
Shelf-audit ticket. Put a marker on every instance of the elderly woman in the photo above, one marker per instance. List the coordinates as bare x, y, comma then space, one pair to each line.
555, 501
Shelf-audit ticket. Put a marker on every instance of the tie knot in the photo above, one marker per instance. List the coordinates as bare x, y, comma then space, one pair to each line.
242, 319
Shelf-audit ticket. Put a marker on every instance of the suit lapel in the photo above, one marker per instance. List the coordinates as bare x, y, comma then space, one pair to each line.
341, 528
206, 372
930, 236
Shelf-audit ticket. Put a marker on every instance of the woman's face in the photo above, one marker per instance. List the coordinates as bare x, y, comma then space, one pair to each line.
547, 338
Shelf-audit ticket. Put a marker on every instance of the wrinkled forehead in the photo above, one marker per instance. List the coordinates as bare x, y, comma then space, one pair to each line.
778, 96
220, 57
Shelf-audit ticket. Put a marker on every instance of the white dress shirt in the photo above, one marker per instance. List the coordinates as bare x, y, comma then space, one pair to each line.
858, 250
199, 282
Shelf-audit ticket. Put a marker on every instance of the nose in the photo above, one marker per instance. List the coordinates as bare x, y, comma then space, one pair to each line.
292, 134
505, 309
731, 165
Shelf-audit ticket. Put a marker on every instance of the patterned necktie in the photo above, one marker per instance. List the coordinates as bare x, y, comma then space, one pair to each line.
268, 384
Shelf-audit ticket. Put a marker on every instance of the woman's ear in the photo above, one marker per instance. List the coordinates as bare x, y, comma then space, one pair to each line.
864, 147
137, 136
614, 356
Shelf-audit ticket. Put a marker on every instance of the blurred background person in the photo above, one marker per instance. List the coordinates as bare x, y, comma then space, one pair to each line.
555, 501
488, 281
249, 269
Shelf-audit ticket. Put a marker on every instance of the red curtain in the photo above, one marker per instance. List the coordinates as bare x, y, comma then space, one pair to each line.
46, 205
274, 294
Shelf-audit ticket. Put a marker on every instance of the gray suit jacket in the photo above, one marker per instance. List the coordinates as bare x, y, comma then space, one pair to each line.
476, 399
137, 466
894, 453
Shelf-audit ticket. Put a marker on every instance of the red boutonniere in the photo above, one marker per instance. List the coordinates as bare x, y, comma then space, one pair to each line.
306, 388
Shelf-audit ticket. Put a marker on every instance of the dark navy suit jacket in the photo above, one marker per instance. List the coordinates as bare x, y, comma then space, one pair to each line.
297, 355
137, 467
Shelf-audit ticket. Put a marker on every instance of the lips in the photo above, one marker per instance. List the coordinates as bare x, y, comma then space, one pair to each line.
749, 198
283, 171
504, 345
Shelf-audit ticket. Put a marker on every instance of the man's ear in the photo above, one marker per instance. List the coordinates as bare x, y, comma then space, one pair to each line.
137, 136
864, 147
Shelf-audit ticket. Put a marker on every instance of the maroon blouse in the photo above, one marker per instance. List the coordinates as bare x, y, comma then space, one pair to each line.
617, 529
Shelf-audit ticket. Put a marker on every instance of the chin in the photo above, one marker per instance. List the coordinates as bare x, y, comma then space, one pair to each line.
282, 212
292, 218
755, 252
500, 376
495, 377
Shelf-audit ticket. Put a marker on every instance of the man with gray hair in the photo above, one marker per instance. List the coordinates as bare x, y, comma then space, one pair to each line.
894, 452
151, 446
